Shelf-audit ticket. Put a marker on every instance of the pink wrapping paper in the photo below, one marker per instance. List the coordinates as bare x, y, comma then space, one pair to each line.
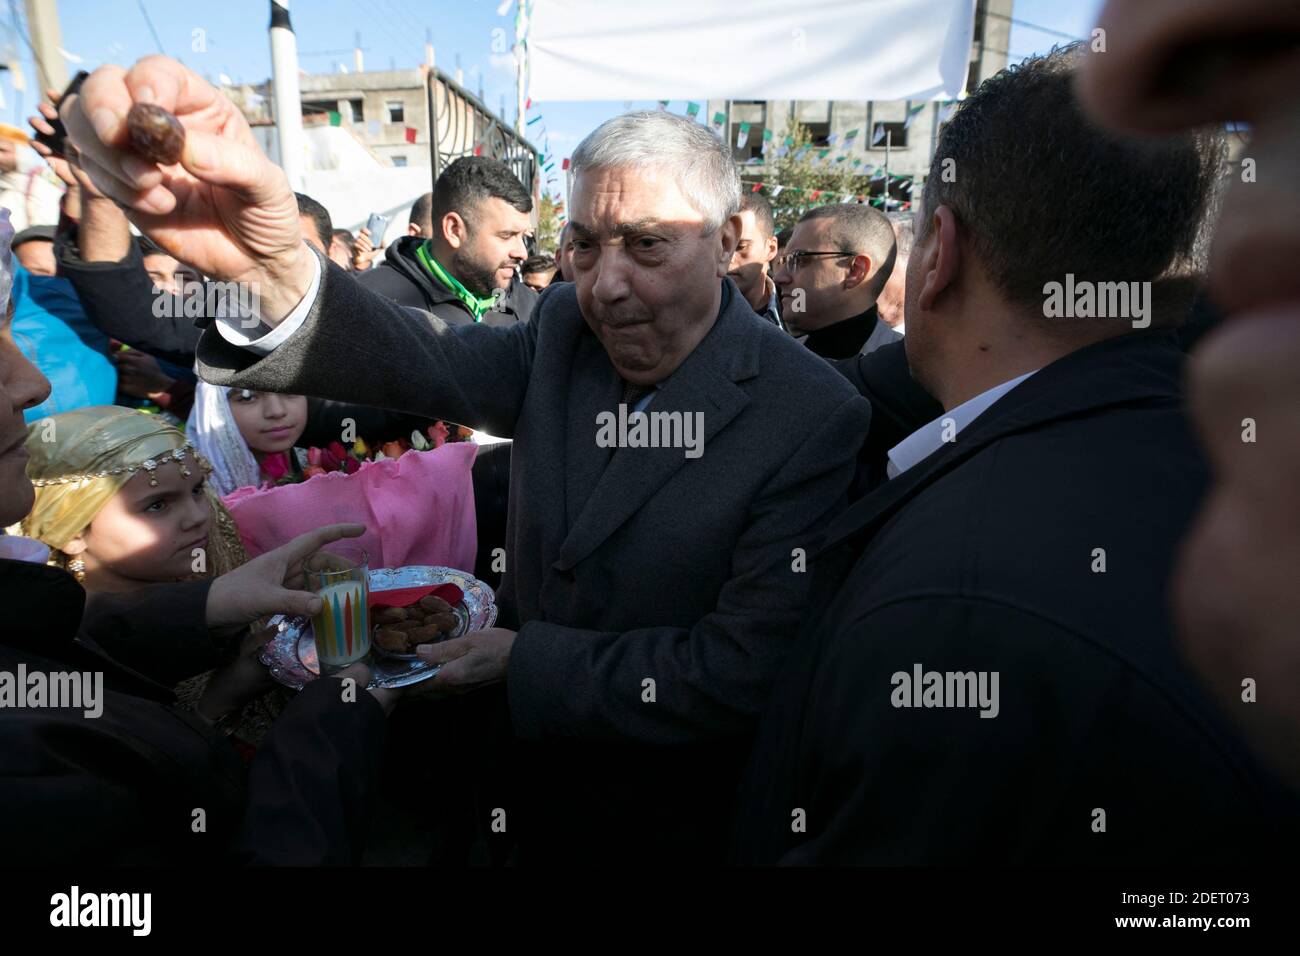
417, 509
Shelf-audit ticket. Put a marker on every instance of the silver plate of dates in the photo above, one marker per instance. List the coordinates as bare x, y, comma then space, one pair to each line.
291, 654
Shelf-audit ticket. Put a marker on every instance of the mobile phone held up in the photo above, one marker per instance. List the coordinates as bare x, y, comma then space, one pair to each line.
54, 141
376, 225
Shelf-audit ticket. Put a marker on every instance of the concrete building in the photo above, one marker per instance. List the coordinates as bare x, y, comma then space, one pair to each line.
911, 144
375, 155
387, 111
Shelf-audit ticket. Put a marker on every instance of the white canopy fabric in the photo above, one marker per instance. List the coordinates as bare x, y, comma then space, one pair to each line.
761, 49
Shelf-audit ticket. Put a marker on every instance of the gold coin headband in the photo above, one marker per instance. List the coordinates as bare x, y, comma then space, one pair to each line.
150, 465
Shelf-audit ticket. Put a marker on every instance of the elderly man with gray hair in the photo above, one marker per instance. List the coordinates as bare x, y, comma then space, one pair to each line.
674, 460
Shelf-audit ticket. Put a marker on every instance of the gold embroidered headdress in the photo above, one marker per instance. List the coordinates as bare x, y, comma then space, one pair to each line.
78, 460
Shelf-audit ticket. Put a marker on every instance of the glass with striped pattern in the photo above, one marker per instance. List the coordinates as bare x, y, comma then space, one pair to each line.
340, 576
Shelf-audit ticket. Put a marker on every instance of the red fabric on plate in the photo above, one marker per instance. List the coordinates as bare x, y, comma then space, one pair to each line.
405, 597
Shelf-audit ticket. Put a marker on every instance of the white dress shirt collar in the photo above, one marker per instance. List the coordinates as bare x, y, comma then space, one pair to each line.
929, 438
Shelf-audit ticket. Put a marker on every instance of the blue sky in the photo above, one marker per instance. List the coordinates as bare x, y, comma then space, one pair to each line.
234, 34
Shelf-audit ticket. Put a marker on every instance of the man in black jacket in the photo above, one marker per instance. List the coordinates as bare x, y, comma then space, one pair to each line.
100, 768
834, 267
479, 215
988, 673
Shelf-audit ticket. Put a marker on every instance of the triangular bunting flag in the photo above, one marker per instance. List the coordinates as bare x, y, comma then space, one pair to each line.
912, 114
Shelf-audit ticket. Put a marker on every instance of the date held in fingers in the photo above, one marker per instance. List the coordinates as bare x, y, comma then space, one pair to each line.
155, 133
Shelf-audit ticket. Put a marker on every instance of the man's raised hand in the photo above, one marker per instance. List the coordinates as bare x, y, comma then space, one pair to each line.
224, 208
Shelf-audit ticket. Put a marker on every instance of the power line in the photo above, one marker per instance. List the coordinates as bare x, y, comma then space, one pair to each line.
151, 29
407, 21
1035, 26
382, 21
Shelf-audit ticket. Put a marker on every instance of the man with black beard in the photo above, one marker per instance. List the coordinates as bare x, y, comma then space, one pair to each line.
479, 214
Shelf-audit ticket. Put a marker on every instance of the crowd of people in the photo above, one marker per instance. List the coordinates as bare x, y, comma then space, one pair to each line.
951, 577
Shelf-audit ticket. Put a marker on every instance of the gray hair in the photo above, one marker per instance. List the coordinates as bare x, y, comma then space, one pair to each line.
702, 163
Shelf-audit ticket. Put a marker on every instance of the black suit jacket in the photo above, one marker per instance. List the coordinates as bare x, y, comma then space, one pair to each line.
899, 406
623, 565
982, 558
122, 787
118, 298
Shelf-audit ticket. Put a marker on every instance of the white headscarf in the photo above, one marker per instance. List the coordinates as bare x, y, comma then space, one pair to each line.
215, 435
6, 259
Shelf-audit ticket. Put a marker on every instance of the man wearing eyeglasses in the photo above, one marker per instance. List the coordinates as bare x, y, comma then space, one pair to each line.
835, 266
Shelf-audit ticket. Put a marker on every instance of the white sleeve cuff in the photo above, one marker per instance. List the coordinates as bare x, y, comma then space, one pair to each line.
230, 330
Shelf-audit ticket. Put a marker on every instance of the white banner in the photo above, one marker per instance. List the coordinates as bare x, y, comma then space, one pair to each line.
762, 49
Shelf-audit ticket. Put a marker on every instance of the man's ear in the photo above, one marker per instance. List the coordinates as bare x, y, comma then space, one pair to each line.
771, 250
412, 229
729, 238
940, 256
454, 230
859, 272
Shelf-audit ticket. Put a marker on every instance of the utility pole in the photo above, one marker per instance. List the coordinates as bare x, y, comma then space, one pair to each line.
521, 27
43, 25
284, 93
889, 140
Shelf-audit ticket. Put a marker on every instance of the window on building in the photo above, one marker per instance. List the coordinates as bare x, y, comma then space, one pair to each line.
396, 111
753, 112
819, 134
356, 107
318, 107
399, 160
893, 133
811, 111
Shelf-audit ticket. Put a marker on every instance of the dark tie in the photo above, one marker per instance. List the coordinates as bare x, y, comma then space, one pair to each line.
633, 393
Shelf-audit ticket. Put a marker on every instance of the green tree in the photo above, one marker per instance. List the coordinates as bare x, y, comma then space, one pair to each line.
802, 175
548, 224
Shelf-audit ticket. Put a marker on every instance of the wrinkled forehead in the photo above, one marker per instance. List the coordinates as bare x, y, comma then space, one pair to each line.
610, 201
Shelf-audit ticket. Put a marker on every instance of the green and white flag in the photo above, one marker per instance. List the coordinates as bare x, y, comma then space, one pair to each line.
742, 136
